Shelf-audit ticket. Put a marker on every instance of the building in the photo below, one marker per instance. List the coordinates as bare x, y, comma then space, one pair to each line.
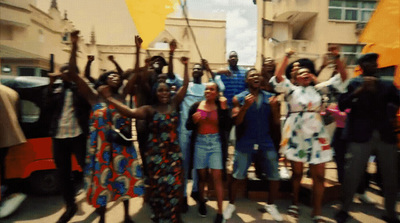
30, 38
310, 26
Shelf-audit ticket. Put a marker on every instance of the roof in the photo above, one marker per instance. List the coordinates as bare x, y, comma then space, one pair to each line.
7, 52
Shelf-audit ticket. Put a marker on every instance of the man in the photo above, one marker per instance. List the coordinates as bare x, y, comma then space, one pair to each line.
10, 135
254, 112
369, 129
195, 93
234, 78
69, 129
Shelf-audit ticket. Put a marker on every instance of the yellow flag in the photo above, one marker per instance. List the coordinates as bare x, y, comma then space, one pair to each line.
149, 17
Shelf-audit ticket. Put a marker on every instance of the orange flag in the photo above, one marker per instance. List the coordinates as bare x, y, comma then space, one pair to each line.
149, 17
382, 35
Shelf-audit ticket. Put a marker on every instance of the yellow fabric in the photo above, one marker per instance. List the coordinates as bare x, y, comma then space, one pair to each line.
149, 17
382, 35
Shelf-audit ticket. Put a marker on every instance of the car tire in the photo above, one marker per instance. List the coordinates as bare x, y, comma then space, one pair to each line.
45, 182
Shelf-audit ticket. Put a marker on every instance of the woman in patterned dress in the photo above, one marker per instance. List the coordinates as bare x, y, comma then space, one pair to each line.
112, 171
163, 156
304, 137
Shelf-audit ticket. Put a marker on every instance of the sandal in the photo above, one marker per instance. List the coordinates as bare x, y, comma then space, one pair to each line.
293, 211
318, 219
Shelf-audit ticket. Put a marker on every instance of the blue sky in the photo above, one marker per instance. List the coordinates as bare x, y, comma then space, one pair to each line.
241, 17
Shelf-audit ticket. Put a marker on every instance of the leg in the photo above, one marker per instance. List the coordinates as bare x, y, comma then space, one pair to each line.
356, 161
127, 219
339, 146
269, 166
318, 176
102, 213
202, 173
297, 169
387, 160
218, 185
62, 157
3, 154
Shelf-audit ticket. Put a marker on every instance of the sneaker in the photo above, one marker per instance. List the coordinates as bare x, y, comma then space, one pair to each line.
10, 204
202, 209
341, 216
219, 219
229, 211
284, 173
273, 211
68, 214
365, 199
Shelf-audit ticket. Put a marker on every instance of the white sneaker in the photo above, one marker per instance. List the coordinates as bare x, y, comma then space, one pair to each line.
229, 211
273, 211
11, 203
284, 173
365, 199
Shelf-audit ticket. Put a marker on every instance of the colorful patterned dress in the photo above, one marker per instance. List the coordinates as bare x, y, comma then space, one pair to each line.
304, 137
164, 164
112, 171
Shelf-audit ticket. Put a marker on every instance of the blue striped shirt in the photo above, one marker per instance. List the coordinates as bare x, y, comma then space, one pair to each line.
234, 84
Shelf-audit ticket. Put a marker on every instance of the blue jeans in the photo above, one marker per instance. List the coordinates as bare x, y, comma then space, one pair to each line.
184, 142
208, 152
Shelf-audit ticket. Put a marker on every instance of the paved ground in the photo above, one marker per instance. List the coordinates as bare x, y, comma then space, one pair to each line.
41, 209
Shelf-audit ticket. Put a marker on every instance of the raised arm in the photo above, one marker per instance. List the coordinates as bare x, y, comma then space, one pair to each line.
119, 70
138, 113
281, 70
172, 47
206, 66
339, 64
178, 98
87, 92
130, 86
87, 69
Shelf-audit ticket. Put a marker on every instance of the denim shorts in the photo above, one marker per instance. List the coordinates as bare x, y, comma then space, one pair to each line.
269, 165
208, 152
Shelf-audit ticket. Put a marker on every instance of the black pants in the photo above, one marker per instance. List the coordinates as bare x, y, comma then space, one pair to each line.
62, 151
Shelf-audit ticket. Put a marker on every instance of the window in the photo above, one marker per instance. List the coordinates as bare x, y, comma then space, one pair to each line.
351, 10
30, 112
350, 53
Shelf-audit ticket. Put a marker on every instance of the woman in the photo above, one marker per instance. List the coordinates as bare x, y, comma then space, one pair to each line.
112, 170
209, 121
304, 138
163, 156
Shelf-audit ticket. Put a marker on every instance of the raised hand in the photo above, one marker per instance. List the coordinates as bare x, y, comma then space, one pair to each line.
172, 46
224, 102
90, 58
196, 117
111, 58
289, 52
334, 49
185, 60
74, 37
138, 41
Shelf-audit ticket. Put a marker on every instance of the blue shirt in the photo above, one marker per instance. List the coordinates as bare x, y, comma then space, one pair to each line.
256, 123
234, 84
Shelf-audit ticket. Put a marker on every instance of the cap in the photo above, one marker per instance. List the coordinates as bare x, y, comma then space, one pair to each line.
367, 57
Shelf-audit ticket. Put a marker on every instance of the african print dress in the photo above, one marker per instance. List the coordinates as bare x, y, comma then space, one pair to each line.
164, 165
112, 171
304, 137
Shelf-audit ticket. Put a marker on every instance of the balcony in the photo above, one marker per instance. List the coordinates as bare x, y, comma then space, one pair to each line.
290, 10
360, 27
303, 48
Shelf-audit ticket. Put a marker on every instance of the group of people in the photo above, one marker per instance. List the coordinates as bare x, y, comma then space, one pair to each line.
184, 129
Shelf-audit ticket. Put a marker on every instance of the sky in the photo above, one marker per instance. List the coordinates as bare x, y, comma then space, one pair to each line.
240, 15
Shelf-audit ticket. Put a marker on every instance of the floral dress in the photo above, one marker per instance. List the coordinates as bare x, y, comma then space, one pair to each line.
304, 137
112, 171
164, 165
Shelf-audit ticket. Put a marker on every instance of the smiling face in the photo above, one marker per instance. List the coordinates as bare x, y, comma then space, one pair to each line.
163, 93
303, 77
211, 91
253, 79
114, 81
269, 64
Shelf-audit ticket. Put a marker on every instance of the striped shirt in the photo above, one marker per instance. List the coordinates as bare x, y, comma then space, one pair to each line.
68, 126
234, 84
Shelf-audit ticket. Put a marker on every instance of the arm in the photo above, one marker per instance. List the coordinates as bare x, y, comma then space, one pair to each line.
89, 94
119, 70
339, 64
224, 118
182, 91
130, 86
206, 66
87, 69
275, 109
138, 113
325, 63
282, 68
190, 123
172, 47
238, 112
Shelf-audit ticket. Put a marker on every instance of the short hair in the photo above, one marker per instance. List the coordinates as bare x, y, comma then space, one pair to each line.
103, 79
248, 71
